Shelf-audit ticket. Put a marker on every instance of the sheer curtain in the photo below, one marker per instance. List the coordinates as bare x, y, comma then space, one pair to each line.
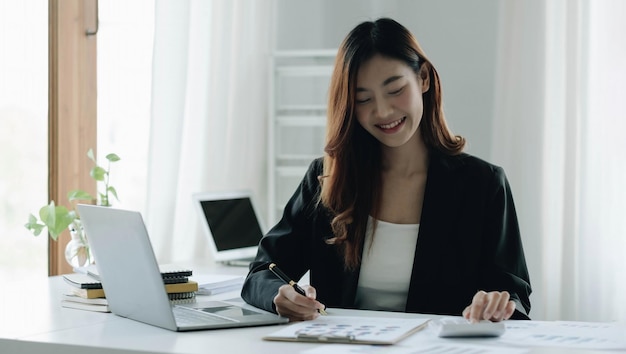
209, 113
559, 134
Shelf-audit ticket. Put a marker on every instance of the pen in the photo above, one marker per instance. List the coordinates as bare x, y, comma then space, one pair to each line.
279, 273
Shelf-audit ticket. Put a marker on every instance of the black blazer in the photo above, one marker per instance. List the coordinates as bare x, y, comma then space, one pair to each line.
468, 240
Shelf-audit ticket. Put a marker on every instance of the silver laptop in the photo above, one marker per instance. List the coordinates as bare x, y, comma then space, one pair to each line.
133, 285
231, 224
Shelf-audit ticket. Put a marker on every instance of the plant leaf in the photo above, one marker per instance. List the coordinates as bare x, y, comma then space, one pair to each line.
64, 219
91, 156
33, 225
37, 229
47, 214
78, 194
98, 173
56, 218
112, 190
112, 157
104, 199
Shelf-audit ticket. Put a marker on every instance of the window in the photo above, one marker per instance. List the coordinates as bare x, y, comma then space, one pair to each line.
123, 101
23, 136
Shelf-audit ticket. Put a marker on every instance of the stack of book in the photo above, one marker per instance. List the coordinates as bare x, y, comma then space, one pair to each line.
98, 304
86, 293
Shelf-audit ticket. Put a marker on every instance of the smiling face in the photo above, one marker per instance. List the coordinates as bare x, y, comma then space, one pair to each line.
389, 99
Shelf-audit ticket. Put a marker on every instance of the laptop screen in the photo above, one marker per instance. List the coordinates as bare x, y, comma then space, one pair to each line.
232, 222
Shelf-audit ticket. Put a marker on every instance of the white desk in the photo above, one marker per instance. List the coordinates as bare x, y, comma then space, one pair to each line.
33, 321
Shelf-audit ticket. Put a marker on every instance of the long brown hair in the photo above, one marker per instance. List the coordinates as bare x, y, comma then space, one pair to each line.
352, 163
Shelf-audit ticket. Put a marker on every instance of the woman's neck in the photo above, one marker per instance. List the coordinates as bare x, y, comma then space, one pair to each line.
406, 160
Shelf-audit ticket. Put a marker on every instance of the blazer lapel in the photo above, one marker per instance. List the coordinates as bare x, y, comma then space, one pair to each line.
435, 212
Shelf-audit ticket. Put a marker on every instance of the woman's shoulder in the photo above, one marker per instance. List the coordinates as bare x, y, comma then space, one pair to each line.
465, 163
468, 171
313, 172
317, 163
316, 167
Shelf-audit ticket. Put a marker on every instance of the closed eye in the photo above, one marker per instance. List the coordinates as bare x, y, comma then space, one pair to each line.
362, 101
398, 91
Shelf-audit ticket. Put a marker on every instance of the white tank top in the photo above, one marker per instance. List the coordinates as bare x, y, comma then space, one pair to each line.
386, 266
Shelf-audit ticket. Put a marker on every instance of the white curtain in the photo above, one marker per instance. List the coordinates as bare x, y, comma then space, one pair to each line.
209, 93
559, 126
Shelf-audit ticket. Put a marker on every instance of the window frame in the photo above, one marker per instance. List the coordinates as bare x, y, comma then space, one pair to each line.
72, 108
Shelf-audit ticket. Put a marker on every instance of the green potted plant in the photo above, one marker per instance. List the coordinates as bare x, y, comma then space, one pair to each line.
57, 218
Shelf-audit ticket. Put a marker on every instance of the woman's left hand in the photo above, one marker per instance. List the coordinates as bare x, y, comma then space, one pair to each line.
494, 306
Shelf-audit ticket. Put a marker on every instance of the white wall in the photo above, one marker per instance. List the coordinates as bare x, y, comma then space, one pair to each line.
459, 37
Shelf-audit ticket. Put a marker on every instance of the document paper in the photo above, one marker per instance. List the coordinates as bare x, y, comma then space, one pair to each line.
345, 329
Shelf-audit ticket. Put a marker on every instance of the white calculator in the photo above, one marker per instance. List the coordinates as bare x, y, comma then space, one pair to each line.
463, 328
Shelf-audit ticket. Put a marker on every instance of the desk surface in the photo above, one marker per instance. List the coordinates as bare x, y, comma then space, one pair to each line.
32, 320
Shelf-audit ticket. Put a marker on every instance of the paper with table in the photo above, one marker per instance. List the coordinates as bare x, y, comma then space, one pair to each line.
346, 329
520, 337
429, 348
566, 334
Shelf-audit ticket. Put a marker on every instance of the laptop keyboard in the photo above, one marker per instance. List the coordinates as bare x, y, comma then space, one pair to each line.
186, 316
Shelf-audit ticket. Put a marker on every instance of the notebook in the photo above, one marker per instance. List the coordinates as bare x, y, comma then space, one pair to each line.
133, 283
231, 224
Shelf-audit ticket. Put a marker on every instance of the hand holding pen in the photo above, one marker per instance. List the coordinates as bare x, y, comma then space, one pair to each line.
294, 302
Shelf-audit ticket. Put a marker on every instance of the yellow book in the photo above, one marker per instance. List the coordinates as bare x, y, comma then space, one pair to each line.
87, 293
189, 286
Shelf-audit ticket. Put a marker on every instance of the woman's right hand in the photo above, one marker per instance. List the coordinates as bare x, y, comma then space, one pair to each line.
296, 307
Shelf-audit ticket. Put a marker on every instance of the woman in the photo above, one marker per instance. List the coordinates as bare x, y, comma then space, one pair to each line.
395, 216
